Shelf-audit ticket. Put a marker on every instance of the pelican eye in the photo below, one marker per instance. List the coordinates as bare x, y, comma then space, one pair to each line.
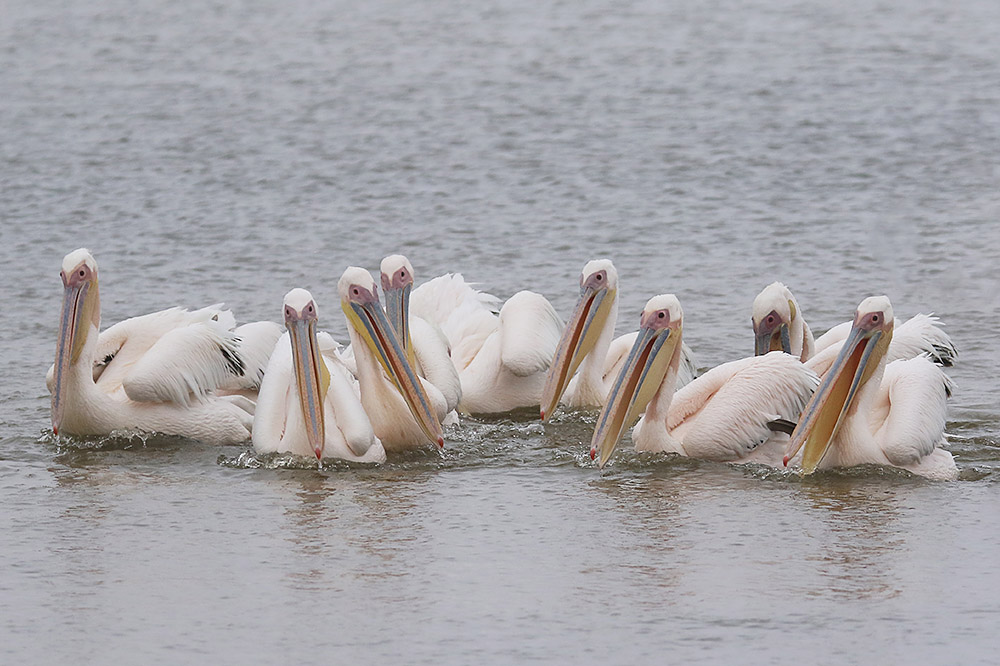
309, 308
83, 273
660, 315
770, 319
874, 318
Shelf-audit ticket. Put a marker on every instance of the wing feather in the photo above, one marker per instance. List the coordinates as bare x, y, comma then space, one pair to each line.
922, 334
186, 363
255, 342
724, 414
910, 410
122, 345
530, 330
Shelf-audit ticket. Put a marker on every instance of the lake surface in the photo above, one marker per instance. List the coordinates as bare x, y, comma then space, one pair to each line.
215, 151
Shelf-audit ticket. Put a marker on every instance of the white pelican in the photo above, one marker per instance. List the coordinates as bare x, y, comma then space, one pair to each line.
425, 344
586, 345
405, 410
501, 359
868, 410
307, 403
724, 415
160, 372
778, 324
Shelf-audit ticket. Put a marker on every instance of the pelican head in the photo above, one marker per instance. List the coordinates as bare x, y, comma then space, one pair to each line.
774, 309
359, 300
598, 292
656, 351
311, 375
860, 356
397, 282
81, 309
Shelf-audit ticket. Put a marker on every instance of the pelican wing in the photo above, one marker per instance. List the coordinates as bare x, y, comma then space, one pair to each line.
348, 415
186, 362
530, 331
922, 334
122, 345
256, 342
821, 362
910, 410
275, 400
434, 359
464, 314
918, 335
833, 338
724, 414
436, 299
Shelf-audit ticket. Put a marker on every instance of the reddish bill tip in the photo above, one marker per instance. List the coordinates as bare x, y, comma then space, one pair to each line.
593, 453
55, 431
441, 442
543, 414
319, 453
784, 461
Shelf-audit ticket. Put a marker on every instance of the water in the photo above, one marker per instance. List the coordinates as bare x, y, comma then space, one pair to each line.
230, 151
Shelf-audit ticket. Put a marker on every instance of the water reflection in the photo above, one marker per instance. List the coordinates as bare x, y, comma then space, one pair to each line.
645, 529
854, 537
352, 523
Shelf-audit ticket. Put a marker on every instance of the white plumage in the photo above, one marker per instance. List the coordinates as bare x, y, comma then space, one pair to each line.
588, 349
283, 414
501, 358
405, 410
775, 309
872, 411
430, 347
919, 335
160, 372
723, 415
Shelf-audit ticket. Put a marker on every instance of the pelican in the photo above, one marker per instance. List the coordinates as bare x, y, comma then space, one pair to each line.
501, 358
405, 410
724, 415
868, 410
425, 344
307, 403
778, 324
587, 345
161, 372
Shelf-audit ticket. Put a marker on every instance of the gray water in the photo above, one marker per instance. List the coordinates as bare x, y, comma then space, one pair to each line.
212, 152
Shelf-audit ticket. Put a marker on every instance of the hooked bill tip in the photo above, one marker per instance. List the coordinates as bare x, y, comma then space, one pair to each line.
593, 453
441, 442
784, 461
543, 414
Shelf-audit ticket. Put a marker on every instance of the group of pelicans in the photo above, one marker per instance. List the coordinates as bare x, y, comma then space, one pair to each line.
869, 391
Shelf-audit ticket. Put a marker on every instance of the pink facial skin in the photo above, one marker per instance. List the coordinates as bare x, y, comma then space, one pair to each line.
308, 313
362, 296
594, 280
658, 320
80, 274
399, 279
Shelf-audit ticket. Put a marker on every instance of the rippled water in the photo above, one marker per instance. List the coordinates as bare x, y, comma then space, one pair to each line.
229, 151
